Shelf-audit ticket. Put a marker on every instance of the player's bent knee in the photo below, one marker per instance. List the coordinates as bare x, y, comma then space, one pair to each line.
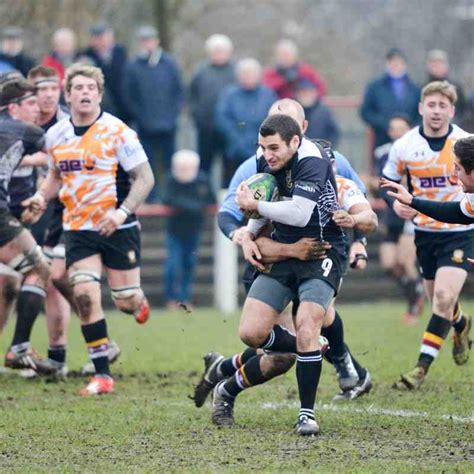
444, 300
127, 299
84, 305
83, 276
31, 260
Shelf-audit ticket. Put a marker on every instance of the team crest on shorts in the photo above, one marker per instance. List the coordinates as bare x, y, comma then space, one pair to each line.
458, 256
132, 257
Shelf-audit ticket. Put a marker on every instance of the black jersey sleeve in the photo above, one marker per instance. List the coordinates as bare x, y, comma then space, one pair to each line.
311, 177
33, 139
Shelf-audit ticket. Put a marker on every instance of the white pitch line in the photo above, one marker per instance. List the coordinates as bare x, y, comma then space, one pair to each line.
372, 410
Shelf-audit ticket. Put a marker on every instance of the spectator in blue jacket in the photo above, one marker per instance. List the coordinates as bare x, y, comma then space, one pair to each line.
392, 93
154, 94
111, 58
240, 111
210, 79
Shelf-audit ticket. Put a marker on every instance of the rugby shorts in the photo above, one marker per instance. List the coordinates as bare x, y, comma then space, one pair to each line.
443, 249
10, 227
120, 251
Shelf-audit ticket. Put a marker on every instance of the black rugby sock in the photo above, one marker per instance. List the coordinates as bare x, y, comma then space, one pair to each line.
97, 340
247, 376
280, 340
57, 353
433, 339
335, 336
308, 372
229, 366
29, 303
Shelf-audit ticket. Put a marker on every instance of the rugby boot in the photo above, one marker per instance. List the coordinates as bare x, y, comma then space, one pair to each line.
113, 354
364, 385
222, 408
98, 385
347, 376
306, 426
462, 343
53, 369
143, 312
28, 359
412, 380
209, 379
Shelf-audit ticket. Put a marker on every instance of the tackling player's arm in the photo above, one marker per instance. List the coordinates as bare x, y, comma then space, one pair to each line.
36, 204
39, 158
360, 216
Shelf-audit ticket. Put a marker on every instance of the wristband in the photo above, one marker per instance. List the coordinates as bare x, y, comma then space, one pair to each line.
126, 210
359, 256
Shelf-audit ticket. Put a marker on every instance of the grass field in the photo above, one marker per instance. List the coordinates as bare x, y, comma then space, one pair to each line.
150, 425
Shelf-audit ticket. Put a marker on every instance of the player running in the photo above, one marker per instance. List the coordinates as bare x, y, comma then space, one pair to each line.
93, 157
425, 154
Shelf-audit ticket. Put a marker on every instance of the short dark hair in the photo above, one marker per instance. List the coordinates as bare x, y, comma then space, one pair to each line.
284, 125
395, 53
464, 151
42, 72
14, 92
401, 116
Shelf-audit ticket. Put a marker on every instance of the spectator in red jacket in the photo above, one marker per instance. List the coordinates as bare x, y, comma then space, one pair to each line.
287, 73
63, 54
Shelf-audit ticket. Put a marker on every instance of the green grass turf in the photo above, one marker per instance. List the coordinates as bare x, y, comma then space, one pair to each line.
150, 425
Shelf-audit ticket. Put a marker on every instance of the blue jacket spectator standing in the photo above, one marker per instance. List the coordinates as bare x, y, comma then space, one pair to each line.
154, 94
240, 111
188, 192
206, 86
12, 56
111, 58
393, 93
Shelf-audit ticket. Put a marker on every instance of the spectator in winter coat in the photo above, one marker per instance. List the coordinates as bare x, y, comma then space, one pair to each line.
392, 93
206, 86
284, 77
321, 121
12, 56
153, 91
111, 57
240, 111
63, 53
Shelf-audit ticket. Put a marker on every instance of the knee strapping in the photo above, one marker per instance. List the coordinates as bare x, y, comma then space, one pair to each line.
83, 276
26, 261
126, 292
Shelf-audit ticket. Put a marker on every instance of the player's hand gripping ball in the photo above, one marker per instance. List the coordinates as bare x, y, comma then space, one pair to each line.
264, 187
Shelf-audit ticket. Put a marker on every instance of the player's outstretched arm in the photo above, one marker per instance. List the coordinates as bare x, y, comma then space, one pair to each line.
449, 212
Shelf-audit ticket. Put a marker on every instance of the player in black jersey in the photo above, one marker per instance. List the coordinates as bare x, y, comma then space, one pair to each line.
307, 184
20, 142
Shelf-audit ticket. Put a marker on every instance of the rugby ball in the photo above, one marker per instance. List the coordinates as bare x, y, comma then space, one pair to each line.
265, 188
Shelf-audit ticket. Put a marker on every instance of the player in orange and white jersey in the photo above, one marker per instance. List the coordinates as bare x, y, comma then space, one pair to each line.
99, 168
425, 155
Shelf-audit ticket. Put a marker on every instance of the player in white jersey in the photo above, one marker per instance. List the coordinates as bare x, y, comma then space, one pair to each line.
93, 158
425, 155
